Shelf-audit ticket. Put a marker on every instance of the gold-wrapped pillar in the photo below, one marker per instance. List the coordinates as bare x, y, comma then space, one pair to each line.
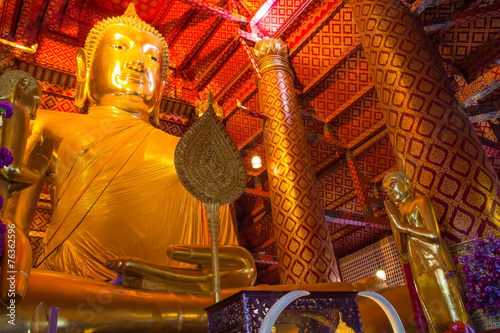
433, 140
305, 252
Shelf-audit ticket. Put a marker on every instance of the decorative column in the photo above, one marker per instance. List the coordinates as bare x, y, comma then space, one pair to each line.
433, 140
305, 252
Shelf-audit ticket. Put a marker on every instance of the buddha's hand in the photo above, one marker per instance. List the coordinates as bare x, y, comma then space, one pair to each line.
229, 255
236, 265
394, 214
40, 156
127, 265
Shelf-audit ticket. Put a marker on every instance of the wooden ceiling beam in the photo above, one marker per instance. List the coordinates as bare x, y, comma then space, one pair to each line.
483, 112
174, 35
370, 142
366, 136
334, 9
349, 196
491, 148
217, 64
447, 22
300, 14
249, 144
331, 68
381, 176
339, 202
354, 221
255, 216
227, 92
480, 88
325, 140
353, 100
419, 6
346, 231
163, 12
480, 57
357, 219
268, 269
326, 163
233, 107
263, 245
201, 43
358, 145
247, 70
257, 193
332, 165
292, 24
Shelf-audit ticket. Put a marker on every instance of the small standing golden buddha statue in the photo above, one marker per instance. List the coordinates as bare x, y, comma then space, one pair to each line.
416, 232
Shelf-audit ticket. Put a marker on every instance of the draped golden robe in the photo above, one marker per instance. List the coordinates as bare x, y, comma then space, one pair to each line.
117, 195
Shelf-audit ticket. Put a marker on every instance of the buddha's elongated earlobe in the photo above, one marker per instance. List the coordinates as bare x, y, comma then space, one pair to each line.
19, 89
156, 110
81, 78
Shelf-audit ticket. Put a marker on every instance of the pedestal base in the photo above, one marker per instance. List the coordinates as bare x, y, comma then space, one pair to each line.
318, 312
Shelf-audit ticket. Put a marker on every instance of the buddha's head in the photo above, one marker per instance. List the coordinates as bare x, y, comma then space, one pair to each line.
123, 64
397, 185
18, 87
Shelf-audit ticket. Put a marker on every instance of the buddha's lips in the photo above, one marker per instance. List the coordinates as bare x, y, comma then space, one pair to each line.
124, 78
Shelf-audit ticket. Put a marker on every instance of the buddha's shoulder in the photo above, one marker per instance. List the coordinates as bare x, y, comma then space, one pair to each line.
48, 117
161, 141
57, 125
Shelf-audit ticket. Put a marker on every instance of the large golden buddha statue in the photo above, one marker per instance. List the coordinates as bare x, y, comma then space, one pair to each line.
115, 192
117, 201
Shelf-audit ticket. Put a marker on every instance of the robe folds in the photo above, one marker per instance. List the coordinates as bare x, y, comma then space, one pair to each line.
117, 195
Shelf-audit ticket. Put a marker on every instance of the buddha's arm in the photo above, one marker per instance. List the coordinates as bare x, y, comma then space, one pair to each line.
426, 209
21, 208
236, 263
21, 176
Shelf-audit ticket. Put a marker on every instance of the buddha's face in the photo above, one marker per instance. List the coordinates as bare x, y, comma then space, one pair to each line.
397, 190
127, 70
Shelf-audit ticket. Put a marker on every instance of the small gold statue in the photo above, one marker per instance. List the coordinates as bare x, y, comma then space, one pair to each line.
23, 92
417, 233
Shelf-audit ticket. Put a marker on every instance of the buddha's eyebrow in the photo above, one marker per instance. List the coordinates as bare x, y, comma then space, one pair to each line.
152, 47
119, 36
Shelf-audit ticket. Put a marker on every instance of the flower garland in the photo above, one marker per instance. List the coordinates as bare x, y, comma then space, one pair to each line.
481, 268
6, 159
6, 109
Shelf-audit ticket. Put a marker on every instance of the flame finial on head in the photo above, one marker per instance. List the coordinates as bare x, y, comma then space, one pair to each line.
130, 11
